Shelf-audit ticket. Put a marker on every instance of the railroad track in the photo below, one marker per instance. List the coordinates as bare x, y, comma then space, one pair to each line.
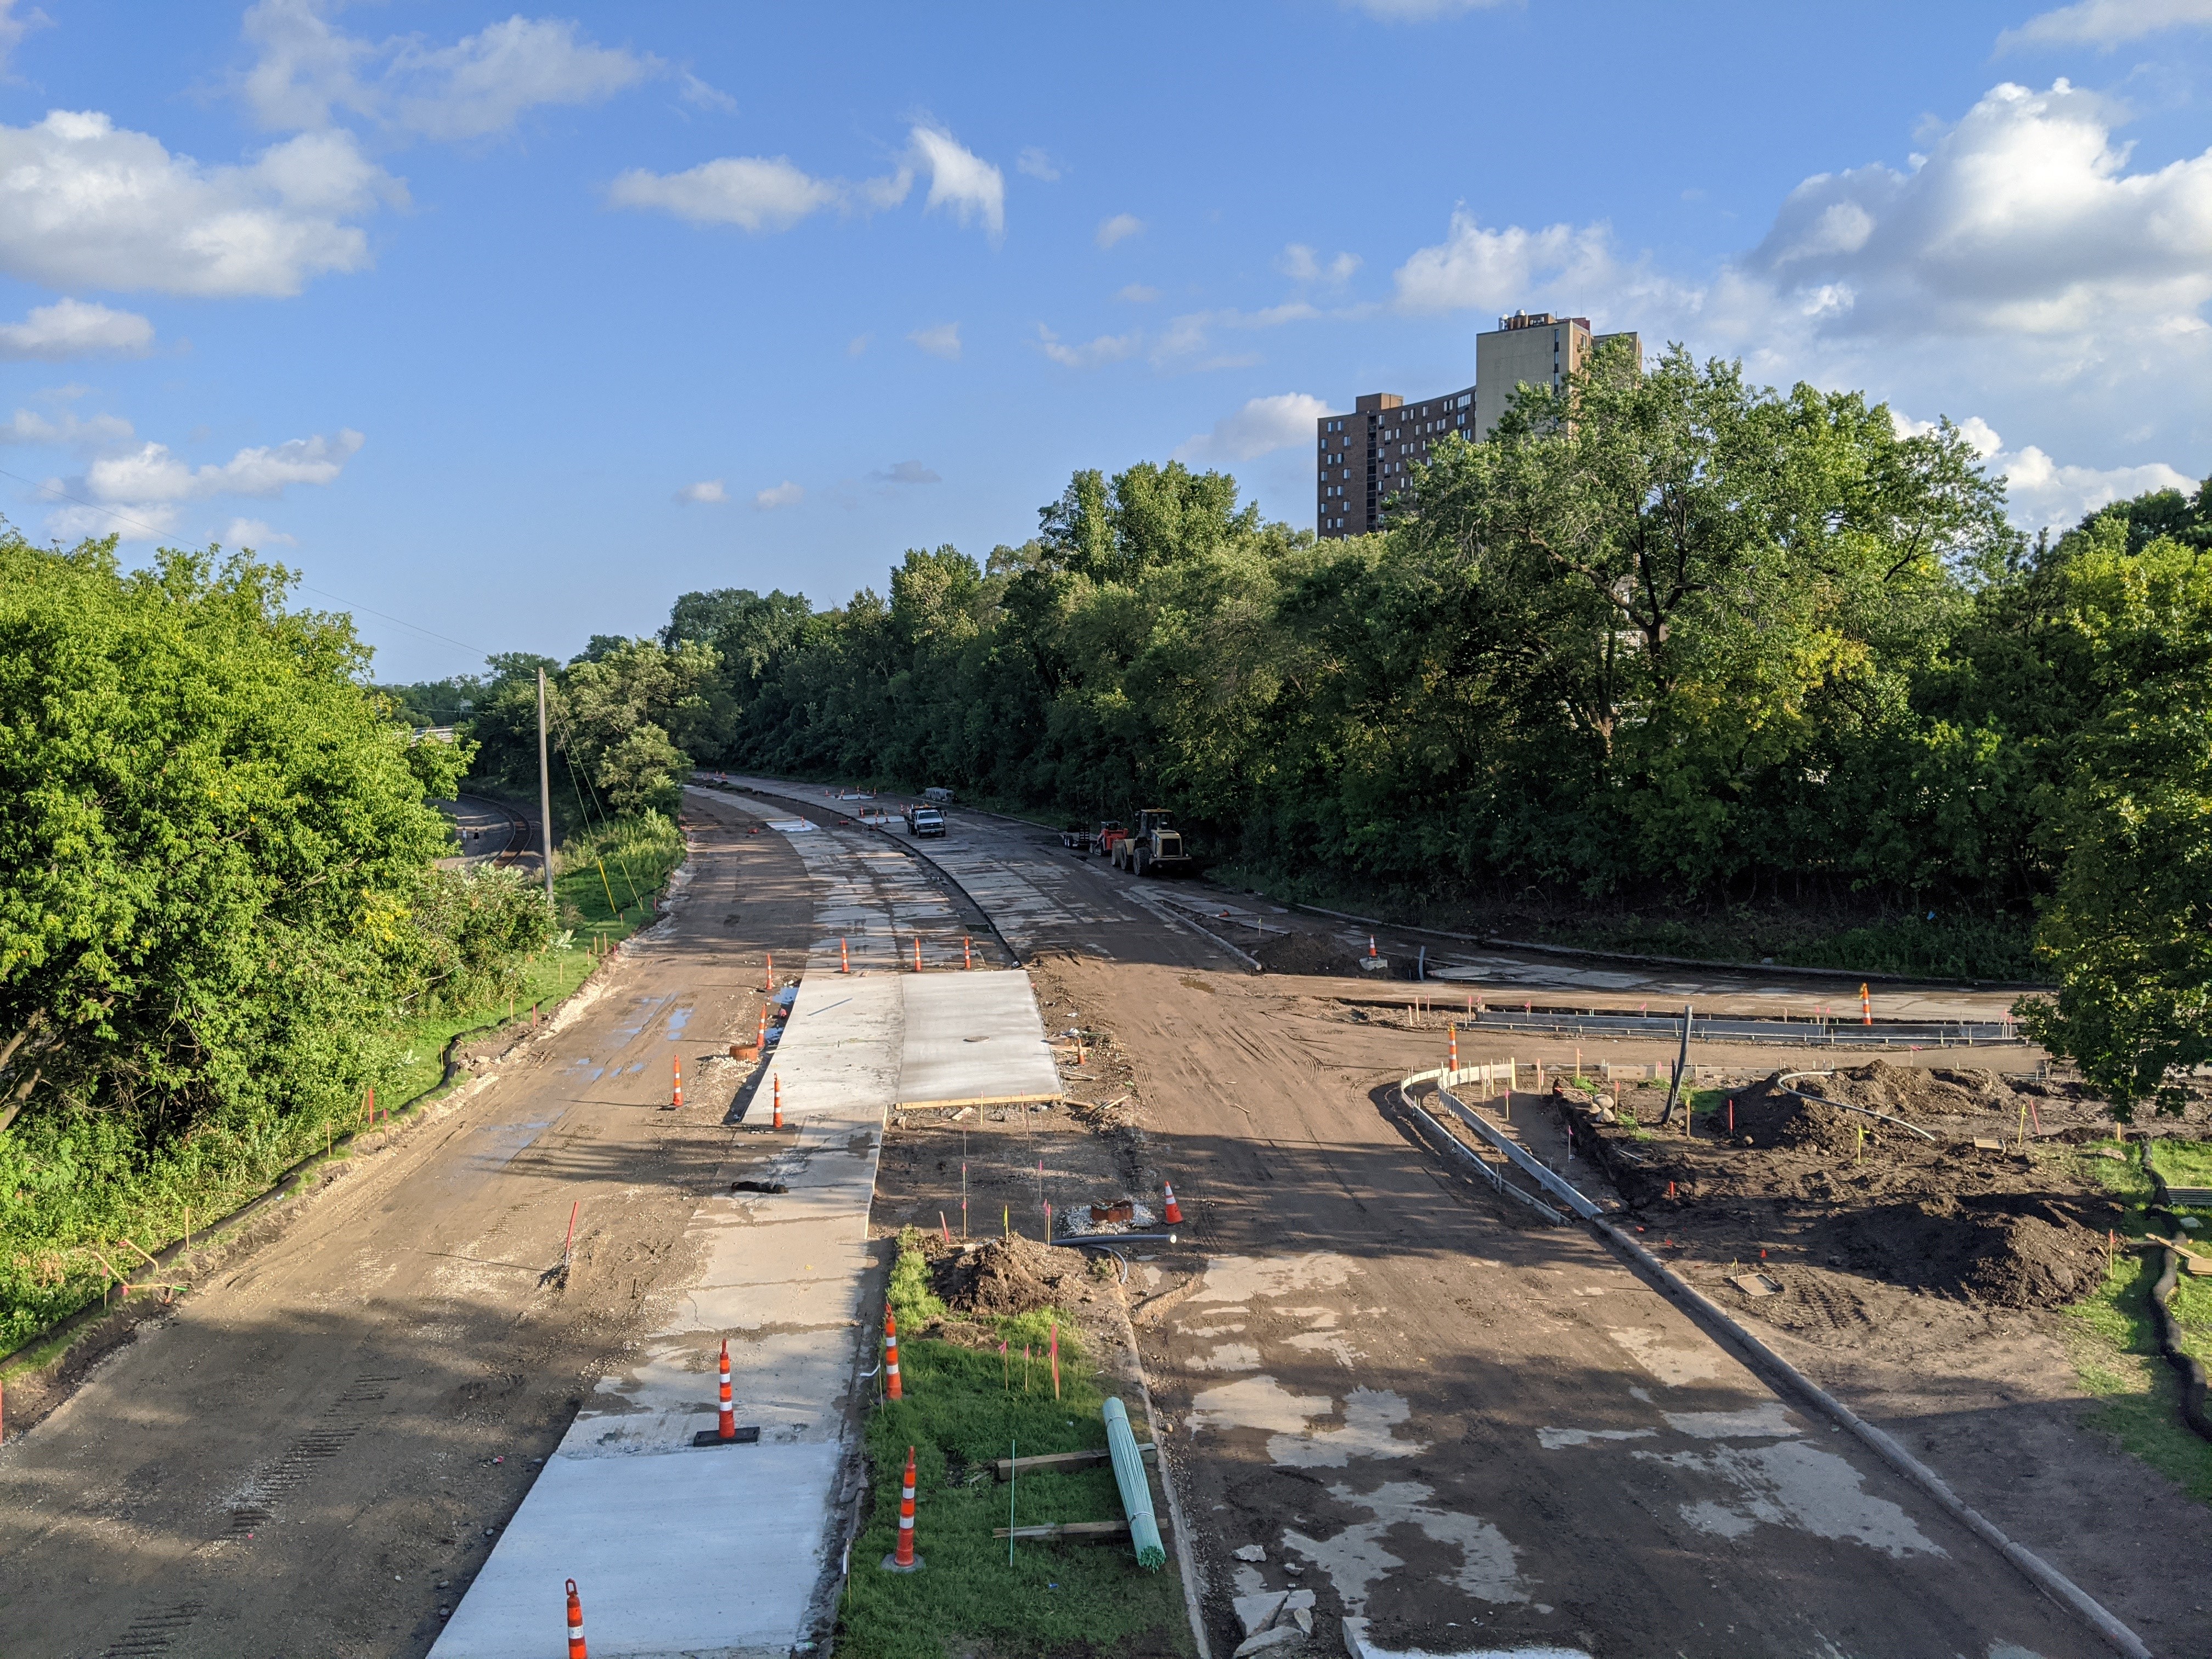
518, 846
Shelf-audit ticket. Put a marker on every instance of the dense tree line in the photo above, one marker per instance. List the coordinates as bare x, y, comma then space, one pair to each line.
217, 879
1664, 634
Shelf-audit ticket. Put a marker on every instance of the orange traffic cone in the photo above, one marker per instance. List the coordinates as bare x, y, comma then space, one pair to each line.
903, 1559
728, 1426
967, 952
771, 971
917, 956
575, 1624
1370, 947
763, 1032
1455, 1048
844, 959
678, 1103
1866, 1006
776, 1087
891, 1384
1174, 1216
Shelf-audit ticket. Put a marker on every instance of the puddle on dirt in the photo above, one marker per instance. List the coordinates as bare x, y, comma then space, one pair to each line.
1244, 1278
1354, 1558
1677, 1367
1770, 1420
1229, 1356
1257, 1402
1555, 1439
1369, 1415
1791, 1484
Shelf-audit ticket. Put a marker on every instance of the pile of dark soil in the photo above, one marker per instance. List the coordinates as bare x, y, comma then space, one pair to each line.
1914, 1092
1306, 953
1012, 1276
2010, 1250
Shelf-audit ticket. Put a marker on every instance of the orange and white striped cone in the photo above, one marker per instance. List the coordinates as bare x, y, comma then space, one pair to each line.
917, 956
1455, 1048
677, 1103
775, 1090
1370, 947
728, 1426
892, 1387
903, 1559
575, 1624
763, 1031
844, 959
1866, 1006
967, 952
1174, 1213
771, 971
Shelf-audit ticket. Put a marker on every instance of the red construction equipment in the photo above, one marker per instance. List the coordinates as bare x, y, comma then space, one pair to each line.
728, 1426
892, 1387
903, 1559
776, 1088
575, 1624
1174, 1212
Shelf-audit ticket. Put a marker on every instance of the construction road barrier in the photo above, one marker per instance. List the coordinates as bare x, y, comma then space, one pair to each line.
903, 1559
892, 1387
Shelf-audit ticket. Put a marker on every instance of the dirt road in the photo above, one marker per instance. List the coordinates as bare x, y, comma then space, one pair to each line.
311, 1455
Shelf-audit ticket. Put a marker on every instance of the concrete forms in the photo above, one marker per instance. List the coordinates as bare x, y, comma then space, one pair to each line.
722, 1552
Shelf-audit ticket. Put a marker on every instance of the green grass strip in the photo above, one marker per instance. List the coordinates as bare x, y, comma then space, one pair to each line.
965, 1407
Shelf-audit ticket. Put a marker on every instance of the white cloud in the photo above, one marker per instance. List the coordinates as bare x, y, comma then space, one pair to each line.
1106, 349
1036, 164
1479, 270
749, 191
1260, 428
96, 432
152, 474
941, 341
961, 181
760, 193
1137, 294
2045, 493
707, 492
1120, 226
857, 344
2107, 23
85, 203
1191, 335
254, 533
14, 25
71, 328
785, 494
307, 69
694, 91
146, 521
906, 472
1299, 263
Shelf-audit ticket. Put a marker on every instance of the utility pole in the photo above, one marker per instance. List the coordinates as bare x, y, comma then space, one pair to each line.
545, 795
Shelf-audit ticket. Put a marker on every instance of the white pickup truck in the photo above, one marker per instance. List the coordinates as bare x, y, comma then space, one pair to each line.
924, 821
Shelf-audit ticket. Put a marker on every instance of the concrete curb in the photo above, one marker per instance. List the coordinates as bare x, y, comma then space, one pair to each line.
1762, 1359
1789, 968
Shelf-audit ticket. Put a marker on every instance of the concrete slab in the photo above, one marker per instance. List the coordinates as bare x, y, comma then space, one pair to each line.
974, 1040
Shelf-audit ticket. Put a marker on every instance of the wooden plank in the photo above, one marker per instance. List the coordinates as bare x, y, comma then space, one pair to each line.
1007, 1466
1067, 1529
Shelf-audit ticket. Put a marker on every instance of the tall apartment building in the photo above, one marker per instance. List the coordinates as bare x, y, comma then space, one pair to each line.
1364, 456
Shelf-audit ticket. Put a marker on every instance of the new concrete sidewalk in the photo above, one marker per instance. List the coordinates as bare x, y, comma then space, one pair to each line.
726, 1551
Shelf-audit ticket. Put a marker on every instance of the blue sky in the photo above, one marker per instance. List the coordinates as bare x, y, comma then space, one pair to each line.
511, 326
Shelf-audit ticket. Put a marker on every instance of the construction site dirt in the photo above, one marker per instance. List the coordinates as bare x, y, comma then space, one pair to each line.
1342, 1296
313, 1453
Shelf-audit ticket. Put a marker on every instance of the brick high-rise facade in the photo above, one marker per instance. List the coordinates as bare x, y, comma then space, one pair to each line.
1364, 457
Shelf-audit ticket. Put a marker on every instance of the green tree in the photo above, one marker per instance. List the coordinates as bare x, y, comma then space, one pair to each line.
616, 712
210, 833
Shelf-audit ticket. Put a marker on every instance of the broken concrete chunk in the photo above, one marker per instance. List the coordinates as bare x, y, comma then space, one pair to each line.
1304, 1618
1251, 1552
1269, 1638
1298, 1600
1256, 1612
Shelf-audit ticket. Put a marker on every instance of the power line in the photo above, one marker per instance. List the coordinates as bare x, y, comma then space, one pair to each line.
308, 586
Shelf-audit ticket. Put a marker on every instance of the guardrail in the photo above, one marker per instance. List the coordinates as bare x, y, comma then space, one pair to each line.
1796, 1033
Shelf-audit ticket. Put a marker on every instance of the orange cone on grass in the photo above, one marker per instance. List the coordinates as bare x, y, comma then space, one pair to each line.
575, 1624
903, 1559
1174, 1216
892, 1387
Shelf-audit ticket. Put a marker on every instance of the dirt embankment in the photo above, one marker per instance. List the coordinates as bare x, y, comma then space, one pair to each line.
1794, 1180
